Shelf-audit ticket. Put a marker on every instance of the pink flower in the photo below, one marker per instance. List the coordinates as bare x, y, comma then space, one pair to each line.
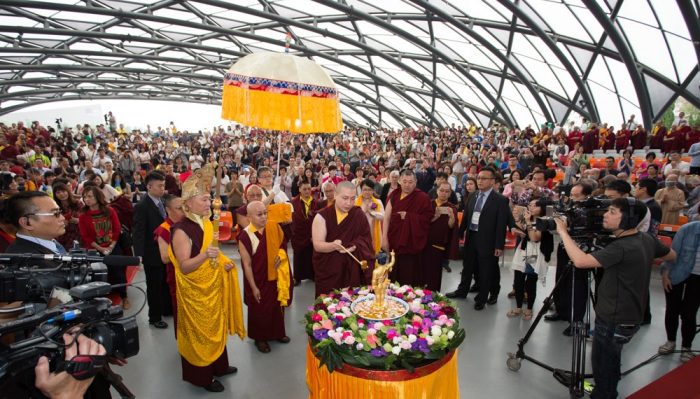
316, 317
327, 324
371, 339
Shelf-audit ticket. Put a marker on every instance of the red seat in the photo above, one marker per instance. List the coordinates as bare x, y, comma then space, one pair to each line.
510, 241
225, 226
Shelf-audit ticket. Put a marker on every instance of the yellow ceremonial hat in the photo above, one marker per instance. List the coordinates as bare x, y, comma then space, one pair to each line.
199, 182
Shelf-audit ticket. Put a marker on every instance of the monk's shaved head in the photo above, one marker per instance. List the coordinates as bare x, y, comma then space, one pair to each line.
345, 185
254, 193
257, 213
345, 194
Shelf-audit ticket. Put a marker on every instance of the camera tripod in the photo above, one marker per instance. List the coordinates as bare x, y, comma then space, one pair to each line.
574, 379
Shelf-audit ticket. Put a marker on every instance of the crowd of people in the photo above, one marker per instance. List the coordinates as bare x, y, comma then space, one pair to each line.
340, 200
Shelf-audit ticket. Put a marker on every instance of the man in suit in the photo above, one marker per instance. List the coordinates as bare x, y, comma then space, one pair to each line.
149, 213
485, 220
38, 221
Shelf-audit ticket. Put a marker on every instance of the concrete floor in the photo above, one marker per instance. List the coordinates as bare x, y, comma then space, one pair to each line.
155, 372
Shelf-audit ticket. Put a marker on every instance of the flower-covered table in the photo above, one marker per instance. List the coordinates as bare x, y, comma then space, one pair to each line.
412, 356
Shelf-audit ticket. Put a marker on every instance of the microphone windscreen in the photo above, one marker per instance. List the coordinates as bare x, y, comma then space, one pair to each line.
119, 260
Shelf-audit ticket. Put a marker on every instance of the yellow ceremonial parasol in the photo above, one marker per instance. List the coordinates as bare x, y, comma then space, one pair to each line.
280, 91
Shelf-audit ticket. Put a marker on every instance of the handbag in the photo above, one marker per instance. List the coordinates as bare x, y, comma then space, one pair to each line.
125, 241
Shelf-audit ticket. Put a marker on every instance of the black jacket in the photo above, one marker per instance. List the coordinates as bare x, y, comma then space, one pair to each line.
492, 221
147, 218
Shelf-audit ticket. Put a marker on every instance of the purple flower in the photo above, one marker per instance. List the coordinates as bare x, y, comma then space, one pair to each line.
427, 299
378, 352
320, 334
410, 330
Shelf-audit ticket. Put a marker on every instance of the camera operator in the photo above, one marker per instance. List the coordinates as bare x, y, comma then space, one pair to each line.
580, 192
38, 221
623, 291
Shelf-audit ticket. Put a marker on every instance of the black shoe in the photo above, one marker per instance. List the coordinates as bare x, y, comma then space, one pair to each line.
215, 386
568, 331
284, 340
474, 288
456, 294
229, 370
479, 306
553, 317
159, 324
448, 268
492, 300
646, 322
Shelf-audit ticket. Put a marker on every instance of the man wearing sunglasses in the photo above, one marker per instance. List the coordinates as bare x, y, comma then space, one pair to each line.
39, 221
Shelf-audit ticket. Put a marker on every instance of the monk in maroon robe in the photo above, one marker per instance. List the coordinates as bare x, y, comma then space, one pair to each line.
335, 230
622, 140
657, 136
669, 140
443, 238
304, 207
639, 138
590, 140
260, 292
575, 136
683, 130
406, 224
692, 137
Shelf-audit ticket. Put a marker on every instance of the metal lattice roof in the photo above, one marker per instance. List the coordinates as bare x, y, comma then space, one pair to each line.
395, 62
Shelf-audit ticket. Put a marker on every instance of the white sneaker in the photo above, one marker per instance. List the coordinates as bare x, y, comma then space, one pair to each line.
686, 355
667, 348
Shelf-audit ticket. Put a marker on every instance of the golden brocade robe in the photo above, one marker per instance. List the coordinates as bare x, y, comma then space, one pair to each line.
209, 306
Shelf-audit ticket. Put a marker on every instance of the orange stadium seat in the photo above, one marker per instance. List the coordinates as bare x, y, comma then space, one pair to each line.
225, 226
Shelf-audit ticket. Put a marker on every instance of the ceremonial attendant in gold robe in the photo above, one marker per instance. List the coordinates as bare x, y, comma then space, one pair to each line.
443, 238
208, 298
267, 288
374, 212
406, 224
161, 235
337, 229
302, 218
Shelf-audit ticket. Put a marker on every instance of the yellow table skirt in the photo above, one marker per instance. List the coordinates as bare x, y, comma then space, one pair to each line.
439, 382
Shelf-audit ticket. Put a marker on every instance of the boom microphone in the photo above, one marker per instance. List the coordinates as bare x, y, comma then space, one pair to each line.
109, 260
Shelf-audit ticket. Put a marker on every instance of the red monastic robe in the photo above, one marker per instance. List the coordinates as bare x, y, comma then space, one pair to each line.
657, 139
590, 141
335, 270
622, 141
301, 239
575, 136
408, 237
443, 243
639, 139
265, 318
163, 231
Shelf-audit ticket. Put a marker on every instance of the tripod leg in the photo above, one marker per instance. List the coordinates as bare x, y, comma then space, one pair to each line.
513, 361
117, 382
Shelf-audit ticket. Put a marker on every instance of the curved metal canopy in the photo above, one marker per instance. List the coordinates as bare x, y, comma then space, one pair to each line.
396, 62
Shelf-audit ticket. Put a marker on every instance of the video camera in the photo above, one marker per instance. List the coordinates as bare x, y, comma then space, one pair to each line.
20, 280
98, 319
584, 218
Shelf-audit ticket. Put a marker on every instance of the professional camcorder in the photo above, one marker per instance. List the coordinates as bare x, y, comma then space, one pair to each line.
584, 218
22, 280
97, 319
78, 282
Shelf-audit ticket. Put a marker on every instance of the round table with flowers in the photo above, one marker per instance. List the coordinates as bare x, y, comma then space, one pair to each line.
412, 356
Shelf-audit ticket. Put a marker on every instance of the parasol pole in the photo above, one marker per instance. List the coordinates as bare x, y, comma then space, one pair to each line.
216, 205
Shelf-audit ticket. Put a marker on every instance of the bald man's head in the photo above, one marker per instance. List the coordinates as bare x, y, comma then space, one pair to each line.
257, 214
254, 193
